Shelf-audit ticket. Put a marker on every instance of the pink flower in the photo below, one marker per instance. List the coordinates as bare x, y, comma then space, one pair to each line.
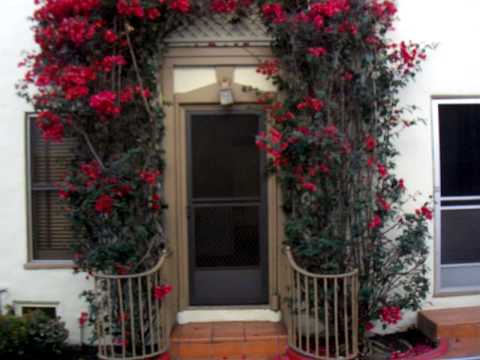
159, 292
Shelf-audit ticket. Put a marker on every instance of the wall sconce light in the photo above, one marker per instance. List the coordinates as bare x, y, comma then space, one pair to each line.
226, 94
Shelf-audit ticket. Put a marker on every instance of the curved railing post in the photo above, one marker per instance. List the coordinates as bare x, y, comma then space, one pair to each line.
323, 313
130, 318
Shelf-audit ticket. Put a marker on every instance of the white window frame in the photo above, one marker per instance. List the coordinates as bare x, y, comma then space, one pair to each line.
440, 269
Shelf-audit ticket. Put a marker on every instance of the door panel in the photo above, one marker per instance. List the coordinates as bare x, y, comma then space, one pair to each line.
227, 210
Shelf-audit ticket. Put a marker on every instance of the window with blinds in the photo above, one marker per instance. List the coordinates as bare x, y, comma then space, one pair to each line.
50, 231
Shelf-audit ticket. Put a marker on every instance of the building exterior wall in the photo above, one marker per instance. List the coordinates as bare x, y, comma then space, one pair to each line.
451, 70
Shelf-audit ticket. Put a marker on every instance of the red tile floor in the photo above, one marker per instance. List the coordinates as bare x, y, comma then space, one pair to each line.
229, 341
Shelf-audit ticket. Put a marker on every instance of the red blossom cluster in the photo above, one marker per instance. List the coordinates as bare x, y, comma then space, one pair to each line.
59, 9
149, 176
317, 51
268, 68
78, 30
159, 292
274, 12
51, 126
376, 222
425, 212
105, 104
311, 103
82, 320
390, 314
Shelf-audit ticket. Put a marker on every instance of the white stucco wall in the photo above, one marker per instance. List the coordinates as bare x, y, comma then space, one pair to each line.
453, 69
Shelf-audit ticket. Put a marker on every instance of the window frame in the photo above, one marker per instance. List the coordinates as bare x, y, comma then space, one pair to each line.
32, 263
438, 290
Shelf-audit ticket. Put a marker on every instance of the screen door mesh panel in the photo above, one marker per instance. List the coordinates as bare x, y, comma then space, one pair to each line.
460, 236
225, 190
227, 236
225, 159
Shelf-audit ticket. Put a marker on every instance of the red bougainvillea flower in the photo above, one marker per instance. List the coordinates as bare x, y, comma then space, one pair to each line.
275, 135
104, 104
318, 22
382, 170
330, 131
274, 12
110, 37
375, 223
51, 126
91, 170
149, 176
223, 6
130, 7
104, 204
317, 51
155, 202
78, 30
369, 326
311, 103
181, 6
310, 187
370, 143
425, 211
383, 204
153, 14
159, 292
268, 68
401, 184
82, 320
390, 314
109, 62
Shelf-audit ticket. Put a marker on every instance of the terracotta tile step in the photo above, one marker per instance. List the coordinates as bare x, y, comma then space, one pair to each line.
450, 323
463, 348
229, 341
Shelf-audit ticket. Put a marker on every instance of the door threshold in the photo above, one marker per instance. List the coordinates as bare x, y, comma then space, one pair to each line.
219, 314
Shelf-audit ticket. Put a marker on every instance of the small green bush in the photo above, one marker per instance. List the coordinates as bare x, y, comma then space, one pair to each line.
31, 335
13, 335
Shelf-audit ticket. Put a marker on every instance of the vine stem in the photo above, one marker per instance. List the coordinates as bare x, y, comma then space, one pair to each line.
128, 29
90, 146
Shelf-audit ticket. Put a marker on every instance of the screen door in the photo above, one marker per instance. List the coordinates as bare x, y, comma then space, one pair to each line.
457, 194
227, 210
